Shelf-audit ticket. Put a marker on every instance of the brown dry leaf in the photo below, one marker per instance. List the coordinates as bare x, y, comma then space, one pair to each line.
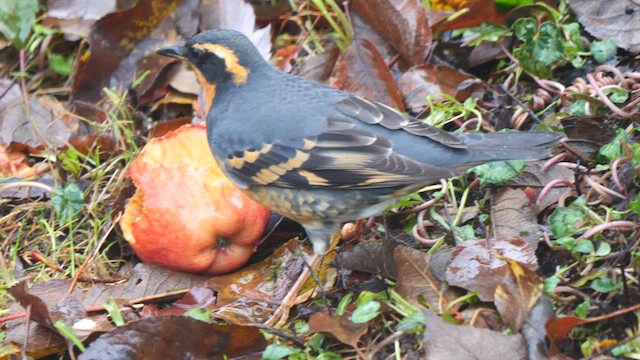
145, 280
479, 11
250, 295
198, 297
415, 279
121, 42
49, 302
361, 70
518, 294
40, 126
318, 67
176, 337
374, 256
434, 80
587, 135
75, 17
535, 176
340, 327
513, 214
475, 267
15, 164
444, 341
403, 23
619, 21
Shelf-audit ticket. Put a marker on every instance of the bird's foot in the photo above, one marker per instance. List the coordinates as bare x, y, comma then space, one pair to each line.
281, 315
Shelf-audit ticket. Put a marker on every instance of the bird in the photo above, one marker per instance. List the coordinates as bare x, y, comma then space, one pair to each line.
318, 155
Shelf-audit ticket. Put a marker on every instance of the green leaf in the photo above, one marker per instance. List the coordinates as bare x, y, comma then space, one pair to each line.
412, 323
486, 32
342, 305
67, 202
465, 232
603, 50
60, 64
506, 5
114, 312
567, 242
617, 95
604, 249
635, 158
612, 150
578, 108
66, 331
634, 205
542, 49
497, 172
200, 314
583, 308
525, 28
551, 283
567, 221
604, 285
276, 352
16, 20
366, 312
584, 246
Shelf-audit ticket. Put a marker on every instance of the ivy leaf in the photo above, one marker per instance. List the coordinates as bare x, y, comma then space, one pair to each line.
16, 20
497, 172
67, 202
604, 285
612, 150
603, 50
366, 312
568, 220
542, 48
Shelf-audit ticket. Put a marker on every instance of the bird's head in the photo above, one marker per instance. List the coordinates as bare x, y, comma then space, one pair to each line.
218, 56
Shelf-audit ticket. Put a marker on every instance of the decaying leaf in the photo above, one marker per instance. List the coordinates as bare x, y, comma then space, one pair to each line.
518, 294
474, 265
619, 20
361, 70
175, 337
445, 341
341, 327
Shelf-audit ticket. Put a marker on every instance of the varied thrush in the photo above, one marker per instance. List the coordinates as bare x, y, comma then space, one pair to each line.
318, 155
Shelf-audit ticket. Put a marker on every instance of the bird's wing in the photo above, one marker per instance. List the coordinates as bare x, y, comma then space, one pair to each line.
370, 112
343, 155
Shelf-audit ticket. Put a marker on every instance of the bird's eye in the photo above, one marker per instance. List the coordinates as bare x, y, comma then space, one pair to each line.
196, 53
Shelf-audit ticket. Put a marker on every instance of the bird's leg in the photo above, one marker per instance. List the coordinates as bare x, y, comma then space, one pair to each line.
322, 238
281, 315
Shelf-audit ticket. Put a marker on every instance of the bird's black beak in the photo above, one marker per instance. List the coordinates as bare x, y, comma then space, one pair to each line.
176, 52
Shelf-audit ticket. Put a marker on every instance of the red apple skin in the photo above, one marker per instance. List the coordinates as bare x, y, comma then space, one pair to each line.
186, 215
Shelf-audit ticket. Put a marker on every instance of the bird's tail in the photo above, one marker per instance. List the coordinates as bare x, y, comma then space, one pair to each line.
521, 145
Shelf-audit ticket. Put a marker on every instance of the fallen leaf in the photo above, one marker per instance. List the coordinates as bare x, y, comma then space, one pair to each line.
75, 17
318, 67
619, 21
374, 257
475, 267
425, 80
444, 341
513, 214
517, 294
340, 327
175, 337
416, 281
403, 23
36, 127
361, 70
250, 295
535, 176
